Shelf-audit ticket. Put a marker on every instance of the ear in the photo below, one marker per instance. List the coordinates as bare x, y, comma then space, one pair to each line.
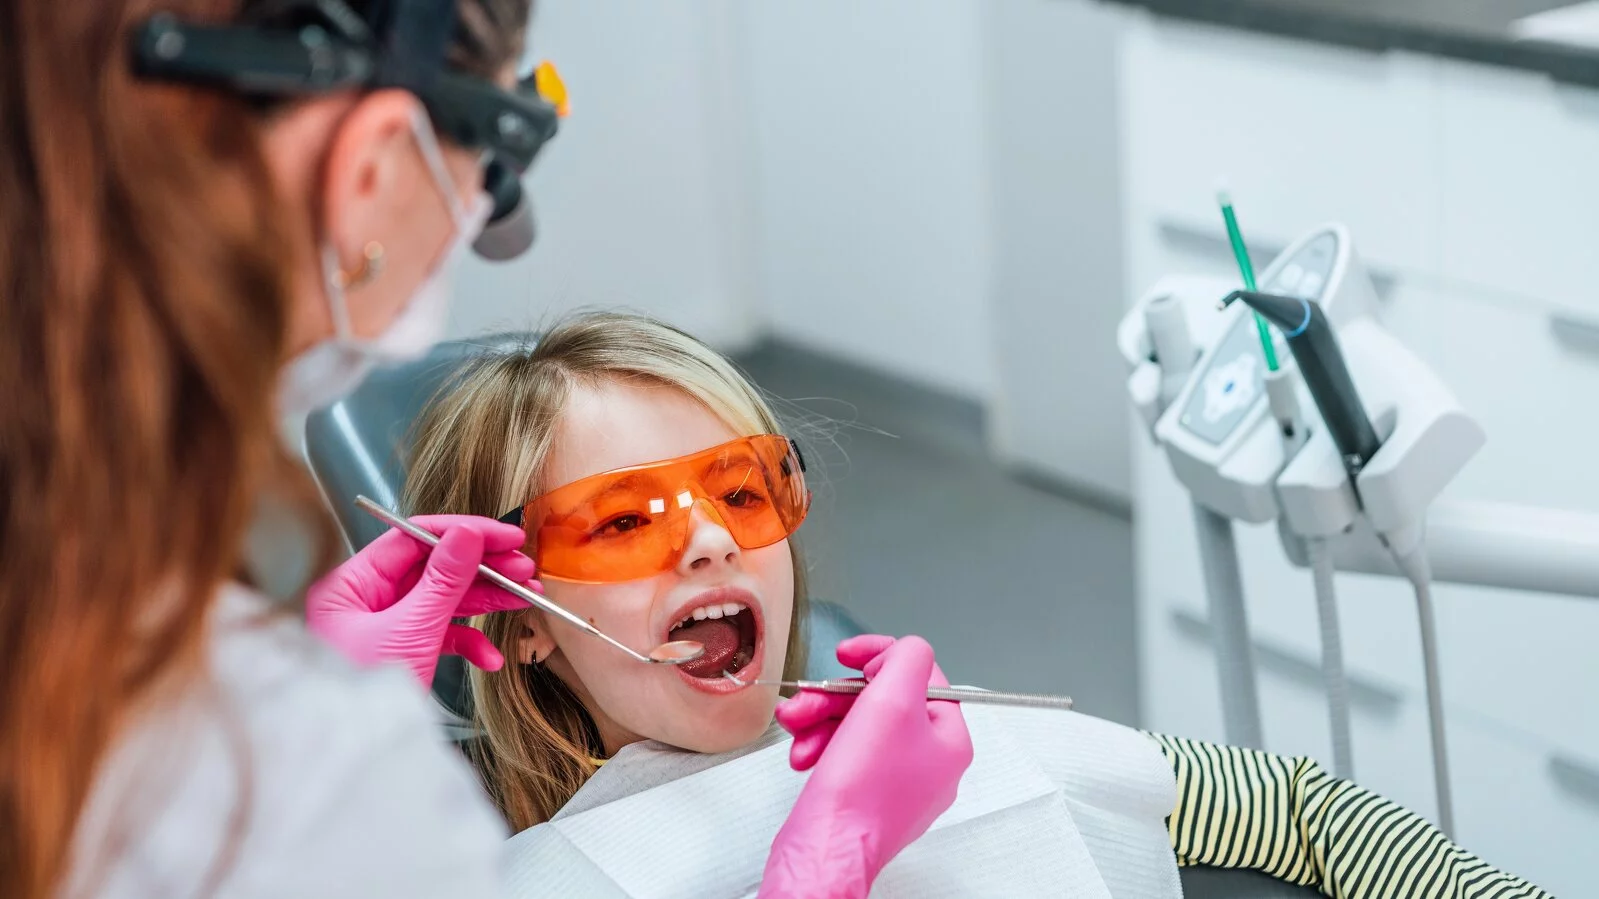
534, 643
366, 165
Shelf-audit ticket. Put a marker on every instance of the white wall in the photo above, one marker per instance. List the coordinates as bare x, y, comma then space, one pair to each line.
871, 183
1053, 119
638, 200
921, 186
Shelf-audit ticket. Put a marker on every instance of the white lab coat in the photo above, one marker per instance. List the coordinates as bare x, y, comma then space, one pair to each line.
349, 788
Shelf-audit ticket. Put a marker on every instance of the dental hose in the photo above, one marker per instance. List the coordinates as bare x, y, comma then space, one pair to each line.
1281, 387
1332, 658
1416, 569
1224, 589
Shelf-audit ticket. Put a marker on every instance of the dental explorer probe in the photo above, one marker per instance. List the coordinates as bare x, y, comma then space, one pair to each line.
954, 694
674, 653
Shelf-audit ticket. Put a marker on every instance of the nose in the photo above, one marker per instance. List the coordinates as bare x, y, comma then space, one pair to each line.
709, 545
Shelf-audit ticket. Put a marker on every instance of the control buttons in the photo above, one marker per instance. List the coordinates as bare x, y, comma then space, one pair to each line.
1288, 280
1295, 281
1230, 387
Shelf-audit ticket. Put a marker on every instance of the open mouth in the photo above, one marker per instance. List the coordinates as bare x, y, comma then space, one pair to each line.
730, 633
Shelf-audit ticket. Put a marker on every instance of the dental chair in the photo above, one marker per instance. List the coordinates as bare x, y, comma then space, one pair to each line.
358, 446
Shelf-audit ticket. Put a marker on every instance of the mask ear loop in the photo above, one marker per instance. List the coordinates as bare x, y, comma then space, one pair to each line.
427, 141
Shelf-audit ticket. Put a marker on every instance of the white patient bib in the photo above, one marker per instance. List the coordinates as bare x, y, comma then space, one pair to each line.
1055, 804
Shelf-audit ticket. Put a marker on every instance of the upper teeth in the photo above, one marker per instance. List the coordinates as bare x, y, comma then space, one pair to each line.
726, 609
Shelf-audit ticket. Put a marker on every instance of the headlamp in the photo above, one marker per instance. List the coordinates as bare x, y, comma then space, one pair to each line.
303, 48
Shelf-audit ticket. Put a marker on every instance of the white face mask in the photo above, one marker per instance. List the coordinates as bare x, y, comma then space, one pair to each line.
331, 369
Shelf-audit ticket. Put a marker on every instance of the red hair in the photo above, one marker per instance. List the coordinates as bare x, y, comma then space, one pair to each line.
145, 265
143, 262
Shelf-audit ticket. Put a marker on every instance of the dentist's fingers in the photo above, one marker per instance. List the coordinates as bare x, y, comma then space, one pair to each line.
810, 708
451, 569
498, 537
395, 552
905, 670
871, 668
858, 652
483, 597
512, 563
471, 644
809, 745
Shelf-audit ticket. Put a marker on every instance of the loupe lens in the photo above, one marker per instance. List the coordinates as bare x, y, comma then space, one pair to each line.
510, 231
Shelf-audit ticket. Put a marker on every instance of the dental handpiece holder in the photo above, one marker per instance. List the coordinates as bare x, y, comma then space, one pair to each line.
1321, 363
1424, 439
1215, 428
1385, 436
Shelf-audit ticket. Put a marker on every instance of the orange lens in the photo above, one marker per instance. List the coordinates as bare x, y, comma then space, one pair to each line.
634, 522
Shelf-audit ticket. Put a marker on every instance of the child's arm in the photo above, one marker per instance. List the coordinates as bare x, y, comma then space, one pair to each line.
1241, 808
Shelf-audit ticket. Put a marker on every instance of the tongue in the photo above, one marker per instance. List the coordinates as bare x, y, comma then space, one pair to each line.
719, 636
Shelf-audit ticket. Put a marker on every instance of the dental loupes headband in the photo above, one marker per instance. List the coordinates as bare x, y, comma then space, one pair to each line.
299, 48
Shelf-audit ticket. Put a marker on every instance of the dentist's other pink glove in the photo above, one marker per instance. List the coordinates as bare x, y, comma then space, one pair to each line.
885, 764
393, 600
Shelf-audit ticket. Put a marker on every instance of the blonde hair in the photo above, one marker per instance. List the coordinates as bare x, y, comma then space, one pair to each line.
481, 448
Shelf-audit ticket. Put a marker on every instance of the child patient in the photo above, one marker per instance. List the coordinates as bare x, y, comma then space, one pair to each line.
660, 500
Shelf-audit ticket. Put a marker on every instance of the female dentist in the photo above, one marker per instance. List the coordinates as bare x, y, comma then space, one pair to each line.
213, 213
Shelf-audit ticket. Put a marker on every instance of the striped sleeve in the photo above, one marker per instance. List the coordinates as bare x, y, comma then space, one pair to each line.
1241, 808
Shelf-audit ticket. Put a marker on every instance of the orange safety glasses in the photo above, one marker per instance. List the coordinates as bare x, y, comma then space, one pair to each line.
634, 522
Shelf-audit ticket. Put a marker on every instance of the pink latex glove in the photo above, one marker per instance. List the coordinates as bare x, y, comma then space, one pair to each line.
886, 764
393, 600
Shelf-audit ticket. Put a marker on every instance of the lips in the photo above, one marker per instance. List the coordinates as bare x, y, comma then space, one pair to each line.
729, 623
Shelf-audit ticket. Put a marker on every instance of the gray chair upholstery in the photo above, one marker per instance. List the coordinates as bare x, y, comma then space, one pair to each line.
828, 625
1200, 882
359, 445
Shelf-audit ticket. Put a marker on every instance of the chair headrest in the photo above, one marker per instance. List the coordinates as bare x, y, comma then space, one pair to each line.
359, 444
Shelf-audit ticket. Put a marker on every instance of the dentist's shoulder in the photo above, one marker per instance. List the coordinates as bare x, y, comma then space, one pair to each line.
289, 772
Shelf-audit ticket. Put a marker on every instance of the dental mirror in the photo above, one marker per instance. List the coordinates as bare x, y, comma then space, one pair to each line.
674, 653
